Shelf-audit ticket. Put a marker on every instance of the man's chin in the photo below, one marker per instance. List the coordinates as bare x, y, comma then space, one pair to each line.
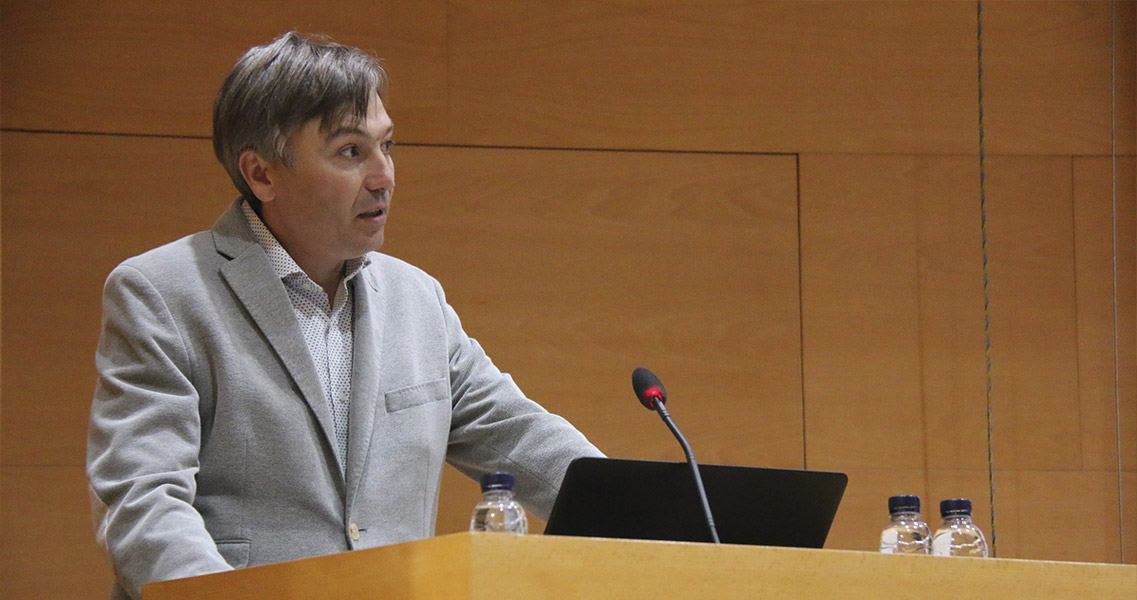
373, 244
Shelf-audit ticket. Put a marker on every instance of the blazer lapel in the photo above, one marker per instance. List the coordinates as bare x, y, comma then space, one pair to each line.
250, 276
370, 304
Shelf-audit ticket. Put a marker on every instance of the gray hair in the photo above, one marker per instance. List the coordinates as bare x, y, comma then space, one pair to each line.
273, 90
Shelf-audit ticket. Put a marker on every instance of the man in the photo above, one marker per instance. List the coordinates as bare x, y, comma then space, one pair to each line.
273, 388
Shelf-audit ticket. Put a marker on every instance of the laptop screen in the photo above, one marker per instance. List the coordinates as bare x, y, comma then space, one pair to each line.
649, 500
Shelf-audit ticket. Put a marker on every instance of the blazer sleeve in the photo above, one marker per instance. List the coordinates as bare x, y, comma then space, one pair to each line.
495, 427
143, 440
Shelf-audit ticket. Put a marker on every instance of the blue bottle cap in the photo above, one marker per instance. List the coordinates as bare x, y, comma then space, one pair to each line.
498, 480
955, 506
903, 504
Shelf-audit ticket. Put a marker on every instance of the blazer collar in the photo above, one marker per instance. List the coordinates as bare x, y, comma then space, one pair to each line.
366, 392
231, 233
257, 287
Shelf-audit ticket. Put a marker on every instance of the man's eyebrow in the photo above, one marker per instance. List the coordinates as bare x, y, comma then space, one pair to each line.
354, 130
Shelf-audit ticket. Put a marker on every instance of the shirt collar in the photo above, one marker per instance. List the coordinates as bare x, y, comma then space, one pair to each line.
282, 263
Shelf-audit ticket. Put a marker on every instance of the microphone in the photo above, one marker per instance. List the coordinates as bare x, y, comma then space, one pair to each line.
651, 393
649, 389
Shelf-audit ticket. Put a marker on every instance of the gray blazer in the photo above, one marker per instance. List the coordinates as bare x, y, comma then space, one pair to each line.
211, 444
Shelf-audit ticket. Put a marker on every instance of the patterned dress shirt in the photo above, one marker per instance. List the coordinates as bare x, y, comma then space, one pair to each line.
327, 326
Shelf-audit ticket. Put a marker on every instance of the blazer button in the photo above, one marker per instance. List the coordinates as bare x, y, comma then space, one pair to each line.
353, 532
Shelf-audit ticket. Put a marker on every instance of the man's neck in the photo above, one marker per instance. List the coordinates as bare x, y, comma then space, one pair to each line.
326, 274
327, 277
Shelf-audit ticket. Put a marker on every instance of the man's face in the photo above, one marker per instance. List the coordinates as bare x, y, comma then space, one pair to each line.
330, 204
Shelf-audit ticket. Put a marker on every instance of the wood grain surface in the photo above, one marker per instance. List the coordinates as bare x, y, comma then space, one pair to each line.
776, 206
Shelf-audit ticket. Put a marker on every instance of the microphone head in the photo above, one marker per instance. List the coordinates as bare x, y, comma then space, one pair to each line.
649, 389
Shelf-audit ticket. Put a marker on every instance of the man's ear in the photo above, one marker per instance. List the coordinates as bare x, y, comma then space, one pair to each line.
258, 175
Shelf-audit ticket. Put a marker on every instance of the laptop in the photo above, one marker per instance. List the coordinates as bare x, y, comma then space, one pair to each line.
651, 500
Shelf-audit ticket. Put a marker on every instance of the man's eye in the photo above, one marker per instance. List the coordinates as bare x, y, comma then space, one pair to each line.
350, 151
387, 146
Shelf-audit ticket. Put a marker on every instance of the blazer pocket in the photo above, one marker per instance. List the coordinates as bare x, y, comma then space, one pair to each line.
416, 395
235, 552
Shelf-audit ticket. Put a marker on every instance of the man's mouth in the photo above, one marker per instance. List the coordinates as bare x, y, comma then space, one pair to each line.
373, 214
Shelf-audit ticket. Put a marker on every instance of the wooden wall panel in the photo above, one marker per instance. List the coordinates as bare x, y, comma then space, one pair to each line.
1106, 306
49, 548
142, 67
860, 334
573, 268
1059, 515
1105, 205
1034, 313
1049, 72
893, 342
892, 313
785, 77
1043, 515
1125, 173
65, 229
1124, 88
893, 346
952, 339
722, 75
1, 337
864, 509
1129, 524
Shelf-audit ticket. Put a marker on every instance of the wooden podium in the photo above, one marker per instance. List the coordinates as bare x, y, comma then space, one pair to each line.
477, 566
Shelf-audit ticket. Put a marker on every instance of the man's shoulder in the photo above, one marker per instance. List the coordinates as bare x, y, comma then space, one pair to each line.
387, 267
180, 251
174, 265
197, 248
389, 273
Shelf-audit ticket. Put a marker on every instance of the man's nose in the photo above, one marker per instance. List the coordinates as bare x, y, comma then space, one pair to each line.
380, 172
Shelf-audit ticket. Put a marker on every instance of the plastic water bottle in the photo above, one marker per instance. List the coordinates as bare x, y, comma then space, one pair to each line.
906, 532
958, 536
498, 510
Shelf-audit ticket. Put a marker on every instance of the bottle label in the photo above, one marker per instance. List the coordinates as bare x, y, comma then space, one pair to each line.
941, 545
888, 541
